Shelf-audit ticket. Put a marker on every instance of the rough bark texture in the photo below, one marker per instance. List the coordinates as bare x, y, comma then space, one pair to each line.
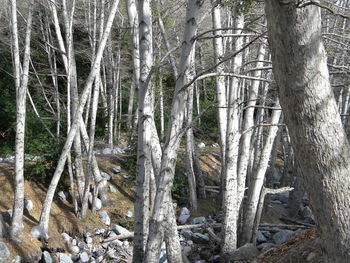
314, 123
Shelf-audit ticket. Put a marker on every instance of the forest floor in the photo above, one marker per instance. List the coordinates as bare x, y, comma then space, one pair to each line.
122, 201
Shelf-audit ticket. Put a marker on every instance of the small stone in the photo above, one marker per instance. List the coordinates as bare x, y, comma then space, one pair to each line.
119, 230
129, 214
62, 195
200, 238
311, 257
105, 217
187, 233
36, 232
7, 215
126, 176
106, 176
215, 145
84, 257
112, 189
28, 204
75, 249
46, 257
64, 258
87, 234
282, 236
4, 253
88, 240
307, 214
198, 220
116, 169
201, 145
66, 238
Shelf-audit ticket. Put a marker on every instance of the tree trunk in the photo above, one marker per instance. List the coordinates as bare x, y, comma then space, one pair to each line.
21, 84
314, 123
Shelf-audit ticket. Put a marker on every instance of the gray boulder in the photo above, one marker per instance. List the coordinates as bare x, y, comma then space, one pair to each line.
260, 238
67, 239
36, 232
198, 220
84, 257
129, 214
265, 246
283, 197
245, 252
307, 214
74, 249
106, 176
282, 236
105, 217
201, 145
7, 215
64, 258
184, 215
46, 257
4, 253
119, 230
200, 238
107, 151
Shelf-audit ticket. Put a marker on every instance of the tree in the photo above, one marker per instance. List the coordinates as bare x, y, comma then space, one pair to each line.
311, 114
21, 83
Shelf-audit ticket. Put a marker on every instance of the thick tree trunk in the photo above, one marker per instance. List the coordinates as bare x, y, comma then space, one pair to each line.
314, 123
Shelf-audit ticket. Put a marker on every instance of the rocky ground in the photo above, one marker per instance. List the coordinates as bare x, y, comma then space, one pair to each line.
107, 236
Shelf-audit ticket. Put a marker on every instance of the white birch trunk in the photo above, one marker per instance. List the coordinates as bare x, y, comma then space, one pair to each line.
21, 83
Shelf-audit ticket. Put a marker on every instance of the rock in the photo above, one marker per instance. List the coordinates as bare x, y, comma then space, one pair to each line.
62, 195
187, 233
100, 231
282, 236
200, 238
46, 257
119, 230
9, 159
64, 258
107, 151
7, 215
283, 197
106, 176
311, 257
215, 259
112, 234
127, 177
265, 246
184, 215
74, 249
116, 169
112, 189
88, 240
307, 214
215, 145
118, 151
98, 202
260, 238
2, 227
66, 238
201, 145
36, 232
17, 260
198, 220
4, 253
129, 214
28, 204
245, 252
105, 217
84, 257
267, 234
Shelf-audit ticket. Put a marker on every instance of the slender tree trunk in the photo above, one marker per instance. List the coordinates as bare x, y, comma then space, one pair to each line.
231, 202
21, 84
145, 108
313, 121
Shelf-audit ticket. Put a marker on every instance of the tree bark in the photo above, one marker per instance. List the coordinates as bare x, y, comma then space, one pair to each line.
314, 123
